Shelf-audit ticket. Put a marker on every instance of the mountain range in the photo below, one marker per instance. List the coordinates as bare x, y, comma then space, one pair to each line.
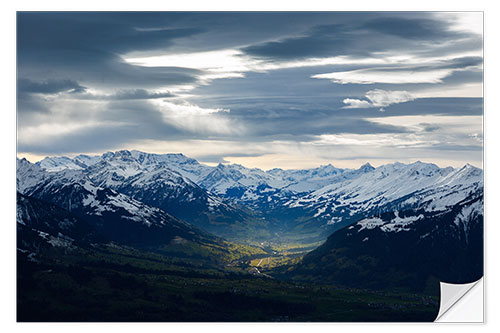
394, 225
65, 207
226, 196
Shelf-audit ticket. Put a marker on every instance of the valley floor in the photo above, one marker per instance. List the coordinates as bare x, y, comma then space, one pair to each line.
107, 283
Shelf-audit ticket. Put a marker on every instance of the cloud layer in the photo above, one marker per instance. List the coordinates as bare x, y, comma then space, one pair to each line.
249, 86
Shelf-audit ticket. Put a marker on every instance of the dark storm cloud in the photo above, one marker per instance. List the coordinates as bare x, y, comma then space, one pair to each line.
356, 39
111, 32
49, 86
418, 29
87, 47
330, 40
101, 69
236, 29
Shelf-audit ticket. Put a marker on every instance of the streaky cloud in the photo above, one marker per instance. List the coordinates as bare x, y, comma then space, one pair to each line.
51, 86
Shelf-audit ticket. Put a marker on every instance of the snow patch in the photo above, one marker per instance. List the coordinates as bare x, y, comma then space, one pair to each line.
370, 223
320, 211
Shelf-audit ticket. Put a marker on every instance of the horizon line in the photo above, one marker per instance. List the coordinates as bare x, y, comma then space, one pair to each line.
214, 164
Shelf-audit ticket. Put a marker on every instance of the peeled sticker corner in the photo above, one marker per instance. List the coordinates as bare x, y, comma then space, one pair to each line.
461, 303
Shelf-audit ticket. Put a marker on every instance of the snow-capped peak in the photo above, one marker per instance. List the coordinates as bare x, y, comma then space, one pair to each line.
422, 185
59, 163
366, 167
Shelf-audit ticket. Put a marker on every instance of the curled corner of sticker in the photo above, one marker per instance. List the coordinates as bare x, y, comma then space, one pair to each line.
461, 303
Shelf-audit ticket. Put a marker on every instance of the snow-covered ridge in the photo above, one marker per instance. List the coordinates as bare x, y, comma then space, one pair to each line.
134, 189
222, 179
68, 186
226, 176
186, 166
391, 187
328, 194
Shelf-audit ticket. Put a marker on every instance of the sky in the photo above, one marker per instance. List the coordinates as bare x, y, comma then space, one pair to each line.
276, 89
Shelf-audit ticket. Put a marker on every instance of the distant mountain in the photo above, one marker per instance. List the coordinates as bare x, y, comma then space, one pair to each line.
224, 179
158, 180
412, 249
186, 166
115, 216
388, 188
224, 199
60, 163
231, 199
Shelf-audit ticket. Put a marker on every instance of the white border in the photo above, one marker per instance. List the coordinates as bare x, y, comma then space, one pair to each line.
7, 199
